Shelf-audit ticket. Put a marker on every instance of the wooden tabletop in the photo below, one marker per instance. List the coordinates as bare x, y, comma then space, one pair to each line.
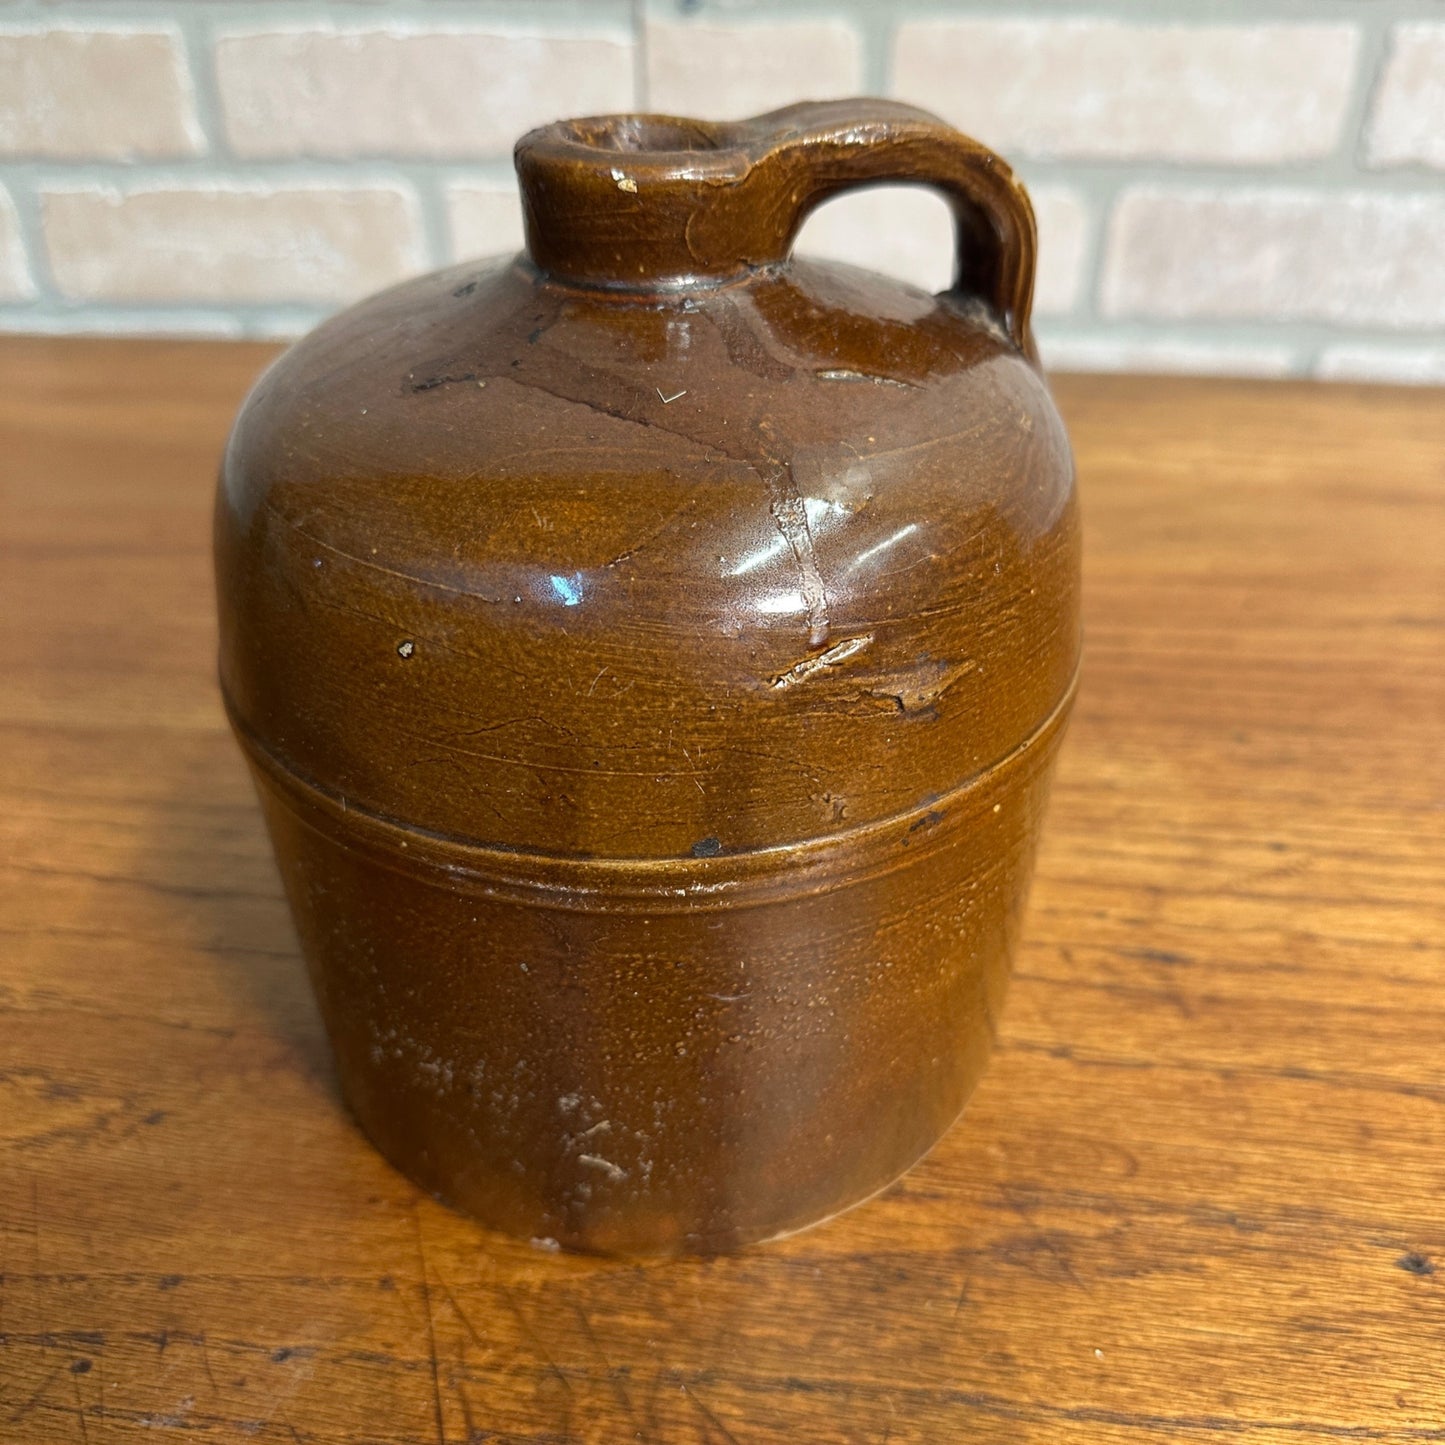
1199, 1195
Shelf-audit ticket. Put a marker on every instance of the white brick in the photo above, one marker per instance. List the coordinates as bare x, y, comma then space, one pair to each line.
907, 232
1355, 257
106, 94
484, 220
211, 243
97, 321
15, 282
1416, 365
1063, 245
1165, 355
342, 91
727, 71
1408, 120
1113, 89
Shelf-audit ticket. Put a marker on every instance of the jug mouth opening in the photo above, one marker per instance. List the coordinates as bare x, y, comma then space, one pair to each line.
642, 134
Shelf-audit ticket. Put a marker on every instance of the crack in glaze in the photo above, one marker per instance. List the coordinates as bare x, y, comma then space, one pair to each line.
791, 516
820, 662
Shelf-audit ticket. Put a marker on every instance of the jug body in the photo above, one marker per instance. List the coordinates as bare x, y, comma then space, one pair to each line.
652, 652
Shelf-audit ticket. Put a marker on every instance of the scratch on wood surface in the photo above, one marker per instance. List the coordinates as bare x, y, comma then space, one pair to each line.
653, 1390
468, 1419
616, 1377
26, 1407
35, 1222
431, 1332
535, 1341
80, 1409
708, 1415
1329, 1078
1044, 1237
464, 1317
206, 1362
286, 1421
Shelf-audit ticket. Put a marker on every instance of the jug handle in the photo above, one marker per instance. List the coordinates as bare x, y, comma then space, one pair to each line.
804, 154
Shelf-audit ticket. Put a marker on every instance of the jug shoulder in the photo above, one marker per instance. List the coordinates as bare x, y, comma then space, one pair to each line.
817, 494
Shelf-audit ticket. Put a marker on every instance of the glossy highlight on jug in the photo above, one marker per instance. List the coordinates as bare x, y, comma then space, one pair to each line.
652, 651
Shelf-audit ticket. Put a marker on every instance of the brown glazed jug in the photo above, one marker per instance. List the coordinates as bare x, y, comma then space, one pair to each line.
651, 651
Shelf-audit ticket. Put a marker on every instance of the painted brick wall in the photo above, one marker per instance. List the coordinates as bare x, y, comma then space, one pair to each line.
1245, 186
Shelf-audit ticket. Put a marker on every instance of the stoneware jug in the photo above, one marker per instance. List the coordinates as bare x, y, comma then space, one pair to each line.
651, 651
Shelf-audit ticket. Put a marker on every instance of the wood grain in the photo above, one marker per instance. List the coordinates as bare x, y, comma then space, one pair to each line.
1198, 1195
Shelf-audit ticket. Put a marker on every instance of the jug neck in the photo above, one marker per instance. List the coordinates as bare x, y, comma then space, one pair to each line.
643, 202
